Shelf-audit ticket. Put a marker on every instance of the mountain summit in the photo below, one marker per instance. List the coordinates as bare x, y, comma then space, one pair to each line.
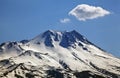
65, 39
54, 54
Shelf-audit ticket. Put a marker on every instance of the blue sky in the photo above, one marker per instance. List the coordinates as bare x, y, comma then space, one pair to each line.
25, 19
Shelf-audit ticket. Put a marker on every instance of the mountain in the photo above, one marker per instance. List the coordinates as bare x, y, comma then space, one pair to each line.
55, 54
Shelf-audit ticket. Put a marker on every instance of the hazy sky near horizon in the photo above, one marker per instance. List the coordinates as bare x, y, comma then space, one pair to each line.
98, 20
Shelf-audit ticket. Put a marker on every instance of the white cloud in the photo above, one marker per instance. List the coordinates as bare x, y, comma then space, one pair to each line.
65, 20
83, 12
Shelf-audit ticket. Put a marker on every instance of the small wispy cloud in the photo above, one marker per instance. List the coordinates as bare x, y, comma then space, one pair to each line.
83, 12
65, 20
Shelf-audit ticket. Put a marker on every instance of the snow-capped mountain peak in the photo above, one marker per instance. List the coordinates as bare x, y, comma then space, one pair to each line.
54, 53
